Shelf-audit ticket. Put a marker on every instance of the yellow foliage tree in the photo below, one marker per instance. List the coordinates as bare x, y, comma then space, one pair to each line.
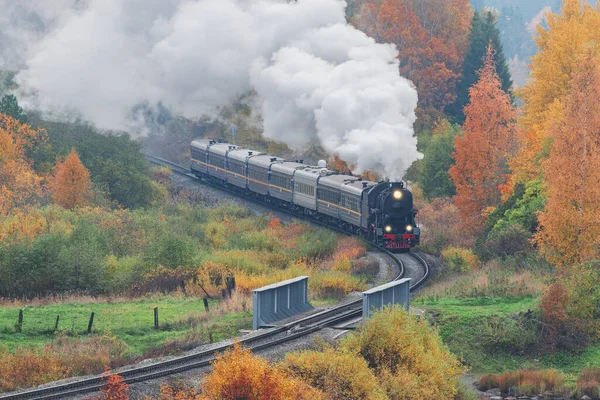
570, 222
339, 374
237, 375
19, 184
566, 37
408, 357
71, 186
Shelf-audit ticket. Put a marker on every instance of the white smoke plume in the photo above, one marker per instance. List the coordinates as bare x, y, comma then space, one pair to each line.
318, 78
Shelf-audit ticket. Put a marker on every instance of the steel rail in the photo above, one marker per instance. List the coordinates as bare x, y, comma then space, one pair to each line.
295, 329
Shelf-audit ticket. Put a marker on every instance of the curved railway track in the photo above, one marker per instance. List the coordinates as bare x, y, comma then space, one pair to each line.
257, 341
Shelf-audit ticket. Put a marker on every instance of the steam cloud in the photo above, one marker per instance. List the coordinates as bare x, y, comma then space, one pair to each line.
318, 78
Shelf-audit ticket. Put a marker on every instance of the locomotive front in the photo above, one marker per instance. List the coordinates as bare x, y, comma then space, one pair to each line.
396, 216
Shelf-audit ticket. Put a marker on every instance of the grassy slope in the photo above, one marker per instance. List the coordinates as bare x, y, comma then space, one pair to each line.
130, 321
458, 322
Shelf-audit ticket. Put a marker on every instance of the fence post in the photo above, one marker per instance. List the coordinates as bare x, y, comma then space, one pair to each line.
155, 317
56, 324
19, 326
206, 305
91, 323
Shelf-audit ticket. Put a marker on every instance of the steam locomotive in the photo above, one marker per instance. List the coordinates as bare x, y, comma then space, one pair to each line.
381, 212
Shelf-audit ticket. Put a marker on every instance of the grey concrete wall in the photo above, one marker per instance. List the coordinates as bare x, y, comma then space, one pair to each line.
396, 292
279, 301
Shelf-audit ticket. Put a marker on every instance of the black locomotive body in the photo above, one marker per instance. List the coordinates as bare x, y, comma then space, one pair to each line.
381, 212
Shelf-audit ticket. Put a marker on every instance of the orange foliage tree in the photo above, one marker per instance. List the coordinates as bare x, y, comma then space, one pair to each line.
19, 184
431, 36
570, 223
237, 375
560, 44
71, 186
482, 152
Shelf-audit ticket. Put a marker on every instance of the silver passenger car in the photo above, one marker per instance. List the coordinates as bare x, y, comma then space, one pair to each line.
217, 160
237, 163
328, 194
199, 155
354, 206
258, 173
282, 175
305, 187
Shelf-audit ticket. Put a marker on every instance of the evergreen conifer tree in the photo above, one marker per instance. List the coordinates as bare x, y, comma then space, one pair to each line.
483, 33
10, 106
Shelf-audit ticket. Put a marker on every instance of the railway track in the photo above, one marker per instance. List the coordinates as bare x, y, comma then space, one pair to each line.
256, 342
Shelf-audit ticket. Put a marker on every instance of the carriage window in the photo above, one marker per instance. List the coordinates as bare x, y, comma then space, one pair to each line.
305, 189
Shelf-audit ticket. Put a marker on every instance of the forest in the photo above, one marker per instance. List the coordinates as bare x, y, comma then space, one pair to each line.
508, 202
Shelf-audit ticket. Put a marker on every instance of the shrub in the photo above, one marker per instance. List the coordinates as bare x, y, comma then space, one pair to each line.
459, 260
506, 240
440, 221
114, 388
338, 374
588, 383
61, 359
237, 374
366, 266
334, 284
410, 358
26, 368
516, 335
562, 331
524, 382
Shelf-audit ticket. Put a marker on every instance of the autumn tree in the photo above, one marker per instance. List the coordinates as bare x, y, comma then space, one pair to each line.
238, 375
483, 33
19, 184
570, 222
431, 36
338, 374
568, 34
71, 185
482, 152
409, 359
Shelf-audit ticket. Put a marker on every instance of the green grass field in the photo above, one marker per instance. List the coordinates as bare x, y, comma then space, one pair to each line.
464, 324
132, 321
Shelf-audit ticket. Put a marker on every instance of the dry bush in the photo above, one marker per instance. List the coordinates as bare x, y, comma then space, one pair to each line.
237, 374
25, 368
525, 382
439, 221
488, 282
338, 374
114, 387
408, 357
177, 391
164, 280
202, 324
562, 331
90, 356
366, 266
334, 284
588, 383
459, 259
61, 359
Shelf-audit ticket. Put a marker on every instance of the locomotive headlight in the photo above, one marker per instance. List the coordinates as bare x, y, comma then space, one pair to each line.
397, 194
409, 228
388, 228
